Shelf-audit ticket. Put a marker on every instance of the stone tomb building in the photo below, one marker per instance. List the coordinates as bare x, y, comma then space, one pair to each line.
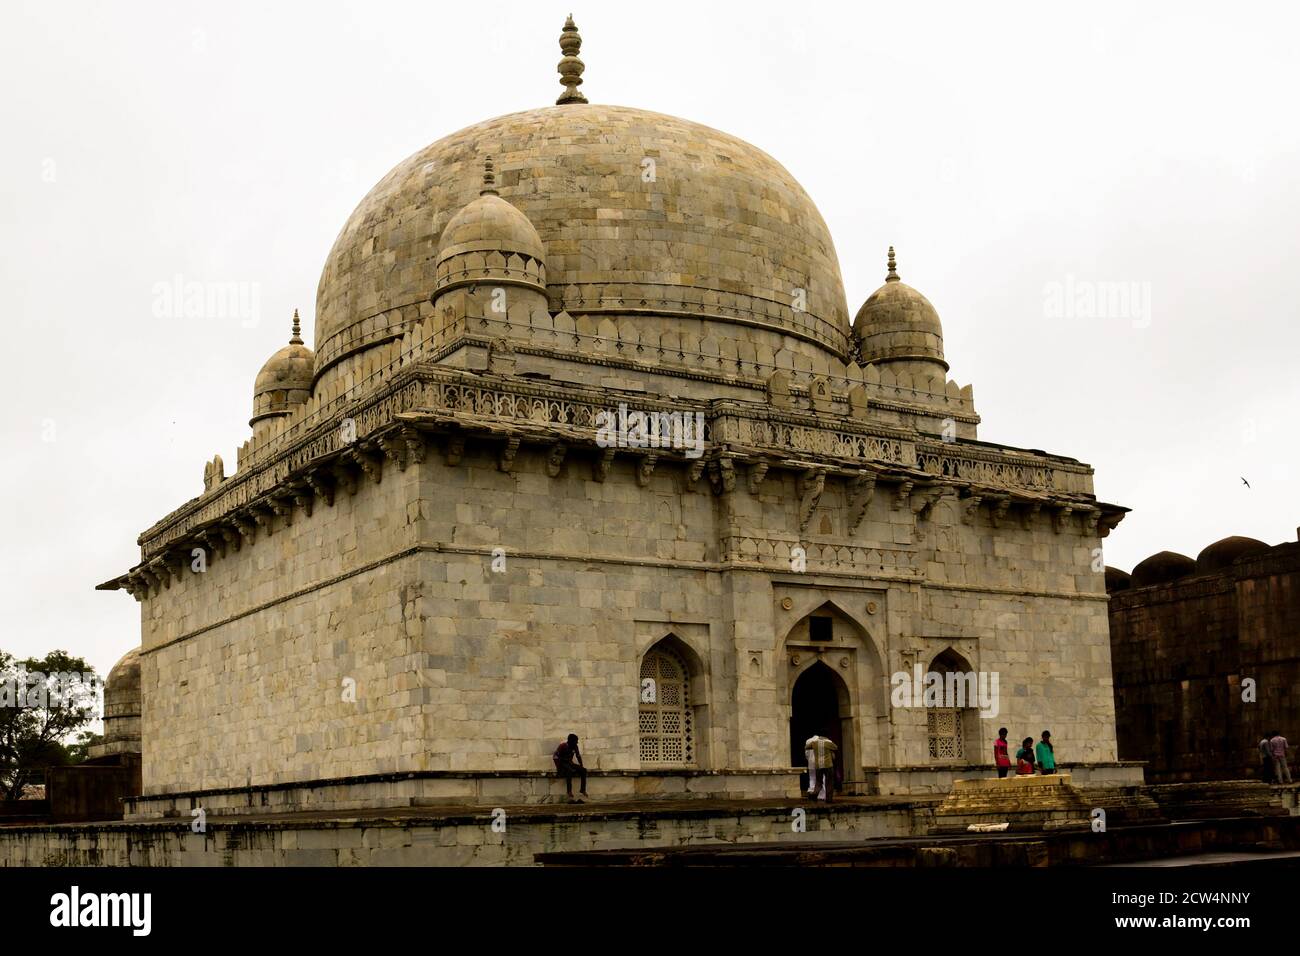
1186, 636
431, 563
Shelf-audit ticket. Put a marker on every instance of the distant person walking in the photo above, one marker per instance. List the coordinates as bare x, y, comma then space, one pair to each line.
1277, 747
1001, 759
1025, 758
1265, 758
820, 752
1046, 754
568, 763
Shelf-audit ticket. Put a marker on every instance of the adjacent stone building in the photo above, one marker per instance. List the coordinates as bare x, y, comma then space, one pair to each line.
587, 443
1206, 655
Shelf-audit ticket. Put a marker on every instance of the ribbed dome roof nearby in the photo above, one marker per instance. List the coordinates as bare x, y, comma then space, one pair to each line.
1223, 553
1162, 568
637, 212
1117, 580
898, 323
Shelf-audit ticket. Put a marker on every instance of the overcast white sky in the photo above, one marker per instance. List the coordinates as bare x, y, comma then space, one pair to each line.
1002, 149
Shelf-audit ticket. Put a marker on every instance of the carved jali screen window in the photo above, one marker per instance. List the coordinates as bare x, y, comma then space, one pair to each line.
943, 727
665, 710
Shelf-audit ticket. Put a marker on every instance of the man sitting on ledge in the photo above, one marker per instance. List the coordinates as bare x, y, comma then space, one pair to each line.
568, 763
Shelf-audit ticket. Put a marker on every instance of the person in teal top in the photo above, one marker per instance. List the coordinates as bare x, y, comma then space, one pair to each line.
1046, 754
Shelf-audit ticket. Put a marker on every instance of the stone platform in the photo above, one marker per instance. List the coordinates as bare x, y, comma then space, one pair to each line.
879, 830
1038, 802
1271, 841
458, 835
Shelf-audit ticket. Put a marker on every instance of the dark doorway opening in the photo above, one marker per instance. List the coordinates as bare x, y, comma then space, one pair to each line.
817, 707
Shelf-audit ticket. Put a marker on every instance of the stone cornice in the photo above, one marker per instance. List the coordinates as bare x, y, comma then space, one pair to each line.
389, 424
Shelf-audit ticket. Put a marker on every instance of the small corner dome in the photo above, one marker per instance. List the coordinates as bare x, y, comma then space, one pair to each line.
122, 686
1164, 567
1223, 553
290, 368
897, 323
286, 378
490, 224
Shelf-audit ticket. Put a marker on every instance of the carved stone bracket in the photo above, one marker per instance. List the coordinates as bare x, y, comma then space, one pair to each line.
862, 488
246, 528
213, 541
972, 508
345, 478
1089, 518
757, 472
506, 461
923, 504
456, 450
152, 582
1029, 513
284, 508
304, 498
369, 462
811, 485
600, 468
323, 485
234, 537
1108, 523
262, 514
645, 468
902, 494
722, 474
694, 472
1001, 504
394, 449
1061, 517
162, 572
555, 458
414, 443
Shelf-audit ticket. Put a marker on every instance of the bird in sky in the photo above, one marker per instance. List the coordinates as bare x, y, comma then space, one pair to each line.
1245, 482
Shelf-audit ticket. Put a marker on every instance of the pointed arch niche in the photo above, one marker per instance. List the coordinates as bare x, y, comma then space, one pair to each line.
834, 686
672, 706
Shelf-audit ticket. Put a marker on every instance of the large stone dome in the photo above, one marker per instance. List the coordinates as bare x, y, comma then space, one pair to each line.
640, 213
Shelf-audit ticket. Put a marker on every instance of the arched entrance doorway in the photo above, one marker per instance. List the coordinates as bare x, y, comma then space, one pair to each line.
819, 704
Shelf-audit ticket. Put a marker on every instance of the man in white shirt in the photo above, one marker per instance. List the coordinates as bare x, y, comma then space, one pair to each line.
820, 752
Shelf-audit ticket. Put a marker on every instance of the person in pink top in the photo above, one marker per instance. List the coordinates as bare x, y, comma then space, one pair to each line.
1001, 758
1277, 747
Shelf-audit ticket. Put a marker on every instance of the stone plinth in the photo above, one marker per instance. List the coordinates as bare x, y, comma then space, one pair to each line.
1048, 801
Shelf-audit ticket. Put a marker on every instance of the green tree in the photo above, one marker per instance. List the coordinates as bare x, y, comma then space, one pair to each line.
43, 702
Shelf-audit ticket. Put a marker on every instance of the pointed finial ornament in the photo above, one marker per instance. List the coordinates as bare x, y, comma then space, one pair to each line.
297, 330
570, 66
489, 179
893, 267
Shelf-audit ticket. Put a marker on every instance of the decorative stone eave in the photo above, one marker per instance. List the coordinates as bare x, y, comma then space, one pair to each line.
391, 425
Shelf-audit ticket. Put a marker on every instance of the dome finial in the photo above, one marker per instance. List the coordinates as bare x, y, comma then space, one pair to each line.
489, 179
570, 66
893, 267
296, 339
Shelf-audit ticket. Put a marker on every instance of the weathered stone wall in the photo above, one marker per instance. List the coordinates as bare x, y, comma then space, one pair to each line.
459, 667
1181, 651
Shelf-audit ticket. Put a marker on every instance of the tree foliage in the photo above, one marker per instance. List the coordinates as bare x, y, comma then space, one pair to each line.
44, 702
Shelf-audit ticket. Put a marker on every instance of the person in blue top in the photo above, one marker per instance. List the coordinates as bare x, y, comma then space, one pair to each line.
1046, 754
